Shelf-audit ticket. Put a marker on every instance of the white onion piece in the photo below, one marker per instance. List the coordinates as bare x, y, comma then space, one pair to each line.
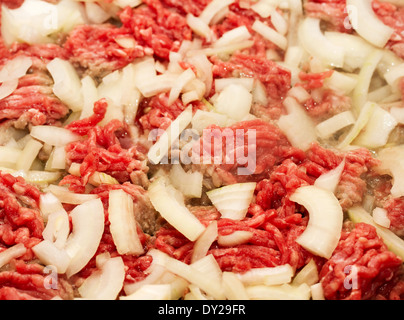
49, 254
233, 287
267, 276
124, 3
182, 80
9, 156
88, 227
223, 50
279, 22
367, 24
236, 238
154, 274
95, 13
213, 8
203, 70
221, 84
317, 292
329, 180
15, 68
398, 114
189, 183
167, 201
377, 130
54, 136
308, 274
106, 283
203, 119
325, 220
233, 36
15, 251
392, 163
393, 242
380, 217
57, 228
270, 34
314, 41
342, 82
28, 155
123, 225
49, 203
90, 96
150, 292
235, 101
394, 74
161, 148
8, 87
208, 265
297, 125
67, 84
299, 93
204, 242
233, 201
206, 282
66, 196
281, 292
199, 27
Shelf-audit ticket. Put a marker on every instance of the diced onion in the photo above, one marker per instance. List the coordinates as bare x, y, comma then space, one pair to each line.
106, 283
327, 128
235, 101
342, 82
49, 203
263, 8
325, 220
221, 84
161, 148
9, 156
299, 93
317, 292
279, 22
165, 199
233, 287
236, 35
314, 41
8, 87
329, 180
66, 196
90, 96
308, 274
123, 225
57, 228
54, 136
267, 276
49, 254
236, 238
233, 201
15, 68
297, 125
153, 276
67, 84
150, 292
380, 217
270, 34
203, 119
88, 227
15, 251
394, 74
28, 155
392, 241
281, 292
367, 24
392, 163
180, 83
189, 183
199, 27
95, 13
204, 242
213, 8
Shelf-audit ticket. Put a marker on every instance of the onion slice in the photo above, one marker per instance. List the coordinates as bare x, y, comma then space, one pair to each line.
8, 87
13, 252
325, 220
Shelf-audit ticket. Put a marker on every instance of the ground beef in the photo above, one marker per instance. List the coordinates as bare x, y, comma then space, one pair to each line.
156, 27
395, 210
93, 49
33, 101
363, 249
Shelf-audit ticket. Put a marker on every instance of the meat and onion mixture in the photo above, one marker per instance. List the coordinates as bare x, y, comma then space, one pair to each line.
202, 149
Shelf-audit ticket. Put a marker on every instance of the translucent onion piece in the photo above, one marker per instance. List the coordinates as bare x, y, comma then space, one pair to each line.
236, 238
180, 83
13, 252
329, 180
314, 41
123, 225
221, 84
308, 274
267, 276
233, 36
199, 27
235, 101
49, 203
233, 287
392, 241
392, 164
54, 136
380, 217
15, 68
106, 283
213, 8
49, 254
9, 156
327, 128
204, 242
203, 119
270, 34
167, 201
8, 88
232, 201
150, 292
28, 155
323, 231
189, 183
365, 22
281, 292
317, 292
88, 227
57, 228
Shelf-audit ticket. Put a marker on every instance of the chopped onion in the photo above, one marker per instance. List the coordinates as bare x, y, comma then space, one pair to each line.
203, 70
270, 34
363, 118
124, 3
66, 196
205, 281
394, 74
49, 203
15, 68
325, 220
57, 228
327, 128
54, 136
281, 292
365, 22
204, 242
95, 13
233, 201
15, 251
267, 276
167, 201
189, 183
398, 114
8, 87
223, 50
233, 287
342, 82
180, 83
157, 84
235, 101
234, 36
57, 159
221, 84
9, 156
153, 276
203, 119
392, 241
317, 292
314, 41
393, 165
199, 27
263, 8
88, 227
150, 292
38, 177
67, 84
299, 93
123, 225
104, 284
329, 180
90, 96
208, 265
161, 148
308, 274
236, 238
376, 132
380, 217
279, 22
297, 125
49, 254
28, 155
212, 9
